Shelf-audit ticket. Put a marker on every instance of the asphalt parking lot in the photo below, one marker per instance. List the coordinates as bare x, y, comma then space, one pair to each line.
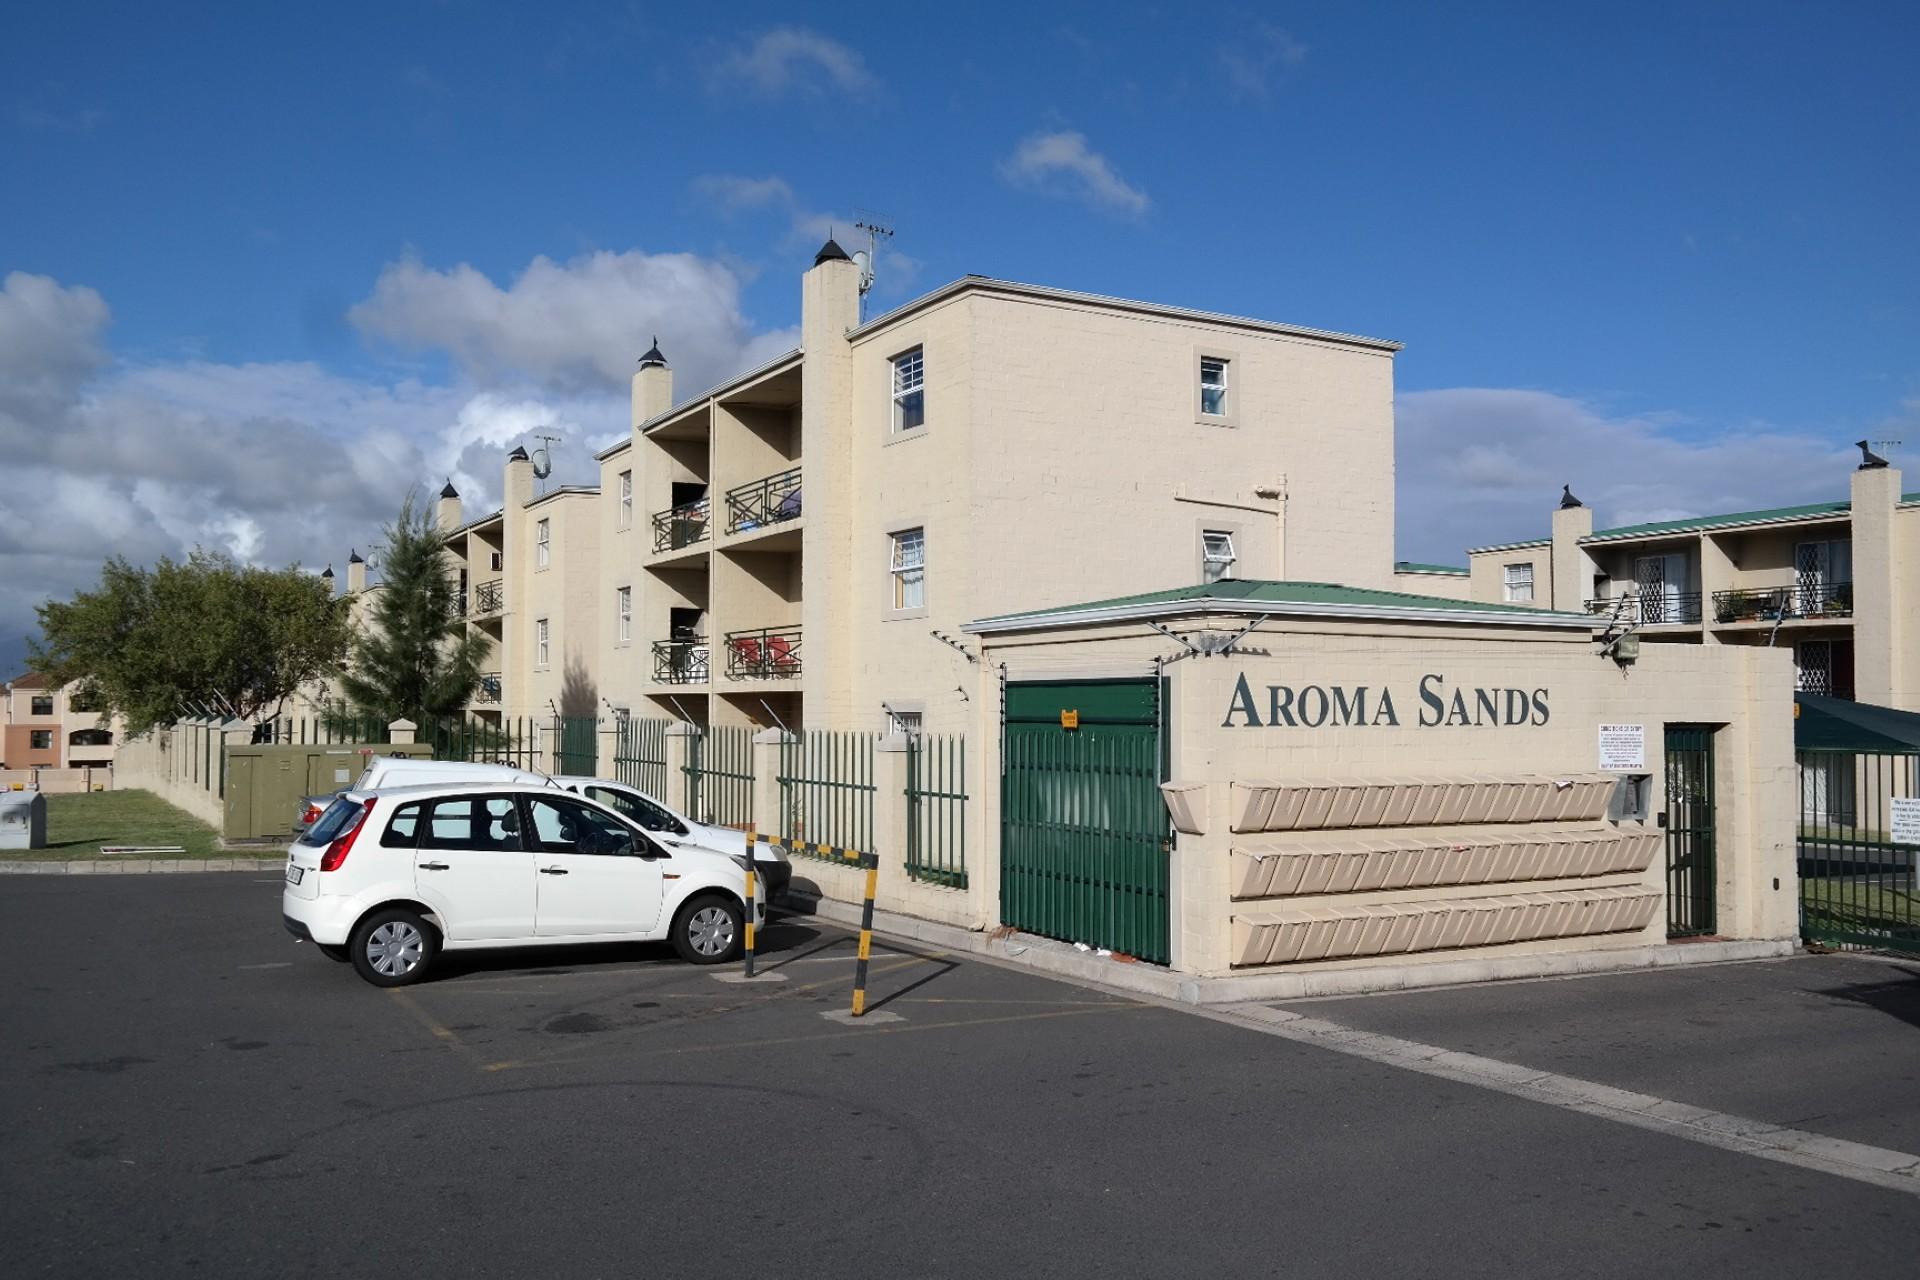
188, 1092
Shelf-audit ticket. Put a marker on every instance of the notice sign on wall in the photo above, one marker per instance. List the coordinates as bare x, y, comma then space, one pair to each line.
1623, 748
1906, 819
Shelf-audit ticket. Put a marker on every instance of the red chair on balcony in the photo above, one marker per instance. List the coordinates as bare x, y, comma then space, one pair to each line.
780, 653
746, 656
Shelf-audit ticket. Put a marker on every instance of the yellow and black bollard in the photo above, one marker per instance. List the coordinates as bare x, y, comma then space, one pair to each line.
750, 889
872, 863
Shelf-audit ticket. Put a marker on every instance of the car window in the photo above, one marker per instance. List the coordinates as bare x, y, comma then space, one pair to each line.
487, 823
561, 826
403, 829
332, 824
644, 812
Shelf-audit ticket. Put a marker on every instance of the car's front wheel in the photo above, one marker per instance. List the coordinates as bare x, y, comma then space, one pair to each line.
392, 948
709, 930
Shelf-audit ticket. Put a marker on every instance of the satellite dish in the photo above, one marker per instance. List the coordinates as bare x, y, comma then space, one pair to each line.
542, 463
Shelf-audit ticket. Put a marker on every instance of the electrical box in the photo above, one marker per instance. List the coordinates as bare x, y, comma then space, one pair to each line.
23, 820
1632, 794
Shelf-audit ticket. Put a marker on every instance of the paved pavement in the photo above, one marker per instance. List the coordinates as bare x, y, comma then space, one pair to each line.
184, 1091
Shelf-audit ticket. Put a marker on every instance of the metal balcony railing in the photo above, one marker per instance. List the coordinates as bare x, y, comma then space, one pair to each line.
682, 661
1768, 604
683, 526
770, 653
489, 690
1649, 609
489, 597
764, 502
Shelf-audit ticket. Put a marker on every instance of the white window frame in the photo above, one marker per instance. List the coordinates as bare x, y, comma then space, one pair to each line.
623, 614
1510, 582
543, 544
909, 718
907, 578
542, 643
1225, 387
916, 358
1211, 555
626, 499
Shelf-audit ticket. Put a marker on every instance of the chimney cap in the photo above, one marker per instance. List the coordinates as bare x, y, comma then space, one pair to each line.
327, 573
831, 252
1869, 460
653, 358
1567, 499
353, 557
519, 454
448, 491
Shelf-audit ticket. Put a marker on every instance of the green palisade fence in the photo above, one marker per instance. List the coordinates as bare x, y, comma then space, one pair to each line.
827, 788
640, 755
719, 776
1857, 882
515, 740
937, 809
578, 755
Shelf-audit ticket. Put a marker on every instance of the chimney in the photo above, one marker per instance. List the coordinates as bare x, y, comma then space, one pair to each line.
326, 576
356, 573
448, 511
519, 484
652, 386
1570, 566
829, 310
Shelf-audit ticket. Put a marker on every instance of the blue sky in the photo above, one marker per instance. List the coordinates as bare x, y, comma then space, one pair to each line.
1664, 252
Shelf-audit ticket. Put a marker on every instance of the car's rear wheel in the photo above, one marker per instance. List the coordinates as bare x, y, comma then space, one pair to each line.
392, 948
333, 951
709, 930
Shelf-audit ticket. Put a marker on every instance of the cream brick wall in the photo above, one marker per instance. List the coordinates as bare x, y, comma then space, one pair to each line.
567, 594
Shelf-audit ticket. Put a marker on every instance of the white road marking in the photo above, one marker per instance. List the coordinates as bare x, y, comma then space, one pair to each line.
1895, 1170
279, 964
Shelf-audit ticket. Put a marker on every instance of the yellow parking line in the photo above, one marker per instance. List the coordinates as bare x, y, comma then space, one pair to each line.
427, 1020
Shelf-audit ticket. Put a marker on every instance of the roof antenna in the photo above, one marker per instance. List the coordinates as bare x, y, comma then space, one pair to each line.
864, 258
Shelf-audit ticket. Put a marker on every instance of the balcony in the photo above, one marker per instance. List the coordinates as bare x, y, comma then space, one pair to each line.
489, 690
489, 597
770, 653
1652, 609
681, 661
774, 500
682, 526
1776, 604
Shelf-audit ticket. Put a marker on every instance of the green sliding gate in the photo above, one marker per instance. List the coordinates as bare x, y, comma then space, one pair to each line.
1690, 862
1083, 829
1857, 858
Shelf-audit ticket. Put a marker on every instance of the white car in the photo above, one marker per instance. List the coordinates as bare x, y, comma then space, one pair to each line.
388, 879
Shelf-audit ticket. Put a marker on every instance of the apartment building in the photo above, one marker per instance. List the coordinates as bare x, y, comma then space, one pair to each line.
1836, 583
42, 728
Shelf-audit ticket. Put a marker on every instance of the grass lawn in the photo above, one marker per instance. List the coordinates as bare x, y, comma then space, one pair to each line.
77, 825
1861, 907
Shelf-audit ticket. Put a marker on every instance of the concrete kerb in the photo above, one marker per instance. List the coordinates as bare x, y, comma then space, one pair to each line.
134, 866
1059, 959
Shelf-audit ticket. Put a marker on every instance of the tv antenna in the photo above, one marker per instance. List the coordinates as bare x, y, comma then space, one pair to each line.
864, 258
543, 455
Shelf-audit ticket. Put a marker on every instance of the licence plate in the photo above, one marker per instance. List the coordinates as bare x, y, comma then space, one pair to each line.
294, 874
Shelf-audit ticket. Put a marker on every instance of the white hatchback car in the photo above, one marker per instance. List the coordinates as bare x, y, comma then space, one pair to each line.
388, 879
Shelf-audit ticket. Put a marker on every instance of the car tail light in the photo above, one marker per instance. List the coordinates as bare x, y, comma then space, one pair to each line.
337, 851
311, 814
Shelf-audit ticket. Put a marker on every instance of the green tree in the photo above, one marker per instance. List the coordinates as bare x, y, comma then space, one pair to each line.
204, 636
414, 656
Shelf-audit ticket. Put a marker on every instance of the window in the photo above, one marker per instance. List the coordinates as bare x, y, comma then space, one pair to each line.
40, 740
561, 826
542, 633
1519, 583
1216, 555
626, 498
623, 614
648, 815
42, 704
543, 544
1213, 386
910, 569
906, 722
403, 829
909, 390
486, 823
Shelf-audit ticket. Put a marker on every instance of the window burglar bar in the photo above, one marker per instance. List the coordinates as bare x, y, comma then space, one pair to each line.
764, 502
680, 661
682, 526
771, 653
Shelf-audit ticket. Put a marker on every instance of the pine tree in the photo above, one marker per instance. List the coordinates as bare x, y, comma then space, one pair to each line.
414, 657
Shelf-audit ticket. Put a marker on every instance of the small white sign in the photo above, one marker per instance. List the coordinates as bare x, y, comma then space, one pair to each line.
1906, 819
1623, 748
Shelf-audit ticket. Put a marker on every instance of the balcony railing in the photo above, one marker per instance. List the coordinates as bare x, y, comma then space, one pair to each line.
683, 526
680, 661
764, 502
1769, 604
489, 690
489, 597
771, 653
1651, 609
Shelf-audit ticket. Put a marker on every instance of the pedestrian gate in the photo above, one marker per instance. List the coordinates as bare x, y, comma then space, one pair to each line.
579, 754
1084, 833
1690, 859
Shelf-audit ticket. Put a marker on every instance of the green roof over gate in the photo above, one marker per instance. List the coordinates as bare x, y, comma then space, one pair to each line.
1835, 724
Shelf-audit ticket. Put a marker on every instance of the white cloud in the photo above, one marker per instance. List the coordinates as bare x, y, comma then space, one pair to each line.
731, 193
1478, 466
1256, 60
1063, 164
795, 60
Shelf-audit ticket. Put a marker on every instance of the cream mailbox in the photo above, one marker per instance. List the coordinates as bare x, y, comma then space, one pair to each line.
23, 820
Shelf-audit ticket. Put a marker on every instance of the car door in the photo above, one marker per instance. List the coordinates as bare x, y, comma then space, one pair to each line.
471, 866
596, 876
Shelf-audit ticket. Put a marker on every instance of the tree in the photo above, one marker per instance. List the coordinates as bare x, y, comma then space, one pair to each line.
206, 636
414, 656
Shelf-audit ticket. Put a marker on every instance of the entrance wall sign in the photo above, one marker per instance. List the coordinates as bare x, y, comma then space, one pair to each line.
1623, 748
1433, 704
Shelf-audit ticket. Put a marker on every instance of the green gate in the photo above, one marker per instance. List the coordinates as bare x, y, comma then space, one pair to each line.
1857, 860
579, 752
1083, 845
1690, 858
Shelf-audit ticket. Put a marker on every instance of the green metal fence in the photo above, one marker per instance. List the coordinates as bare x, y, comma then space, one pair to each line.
521, 741
719, 776
827, 789
577, 753
329, 725
1857, 878
640, 754
937, 809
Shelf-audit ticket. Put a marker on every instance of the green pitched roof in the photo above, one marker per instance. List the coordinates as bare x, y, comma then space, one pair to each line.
1809, 511
1236, 595
1414, 566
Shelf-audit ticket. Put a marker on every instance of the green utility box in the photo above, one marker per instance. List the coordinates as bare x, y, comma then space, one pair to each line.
266, 784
